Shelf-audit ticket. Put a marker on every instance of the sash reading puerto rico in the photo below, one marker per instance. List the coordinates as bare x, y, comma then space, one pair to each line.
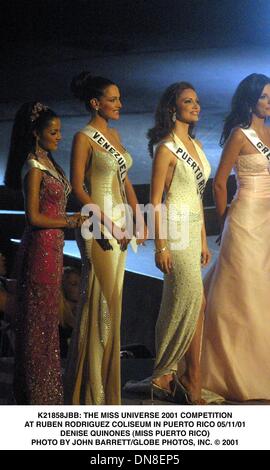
182, 154
254, 139
99, 138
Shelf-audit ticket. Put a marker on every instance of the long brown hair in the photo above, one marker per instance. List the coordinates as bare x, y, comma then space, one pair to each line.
163, 115
23, 141
244, 102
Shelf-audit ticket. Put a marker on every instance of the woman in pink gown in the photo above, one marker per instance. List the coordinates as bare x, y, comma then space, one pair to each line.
235, 355
35, 134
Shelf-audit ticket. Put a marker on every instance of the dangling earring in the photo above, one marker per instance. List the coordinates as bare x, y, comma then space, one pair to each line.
38, 149
174, 116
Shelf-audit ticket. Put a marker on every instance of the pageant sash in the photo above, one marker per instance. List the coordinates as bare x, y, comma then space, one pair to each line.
99, 139
32, 163
254, 139
182, 154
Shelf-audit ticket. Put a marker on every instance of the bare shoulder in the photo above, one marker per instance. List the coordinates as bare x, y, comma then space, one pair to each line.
198, 142
81, 137
237, 135
163, 153
32, 168
81, 143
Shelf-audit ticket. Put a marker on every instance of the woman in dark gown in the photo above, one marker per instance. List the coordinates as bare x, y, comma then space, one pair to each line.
36, 133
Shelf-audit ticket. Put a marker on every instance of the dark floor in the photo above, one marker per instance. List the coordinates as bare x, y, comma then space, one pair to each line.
132, 370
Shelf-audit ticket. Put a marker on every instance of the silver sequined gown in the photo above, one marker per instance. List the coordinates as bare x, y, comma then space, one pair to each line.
183, 288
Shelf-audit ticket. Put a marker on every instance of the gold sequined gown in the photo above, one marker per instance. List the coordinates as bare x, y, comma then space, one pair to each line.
93, 369
182, 288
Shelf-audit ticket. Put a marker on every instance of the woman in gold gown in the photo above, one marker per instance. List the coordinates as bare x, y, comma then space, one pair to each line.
93, 369
179, 253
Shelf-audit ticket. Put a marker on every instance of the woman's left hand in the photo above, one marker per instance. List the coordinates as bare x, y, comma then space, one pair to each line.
206, 255
75, 220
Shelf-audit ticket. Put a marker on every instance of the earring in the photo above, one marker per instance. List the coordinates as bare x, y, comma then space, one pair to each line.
174, 116
96, 108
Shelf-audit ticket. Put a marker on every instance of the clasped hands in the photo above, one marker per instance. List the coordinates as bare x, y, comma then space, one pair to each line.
123, 237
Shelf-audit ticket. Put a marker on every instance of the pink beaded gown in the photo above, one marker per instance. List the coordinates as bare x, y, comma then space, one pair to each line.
37, 359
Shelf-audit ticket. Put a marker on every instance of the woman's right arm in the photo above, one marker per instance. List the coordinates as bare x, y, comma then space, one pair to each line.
229, 155
161, 165
80, 156
33, 214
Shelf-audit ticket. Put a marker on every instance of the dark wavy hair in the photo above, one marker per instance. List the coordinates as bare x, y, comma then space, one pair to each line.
243, 103
23, 141
163, 115
86, 87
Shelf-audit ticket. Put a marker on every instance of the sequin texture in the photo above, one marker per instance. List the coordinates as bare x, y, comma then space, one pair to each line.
93, 367
40, 262
182, 288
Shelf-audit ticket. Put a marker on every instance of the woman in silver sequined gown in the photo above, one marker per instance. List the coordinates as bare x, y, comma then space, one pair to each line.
179, 325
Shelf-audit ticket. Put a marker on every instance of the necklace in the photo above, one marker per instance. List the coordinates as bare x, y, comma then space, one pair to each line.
44, 159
